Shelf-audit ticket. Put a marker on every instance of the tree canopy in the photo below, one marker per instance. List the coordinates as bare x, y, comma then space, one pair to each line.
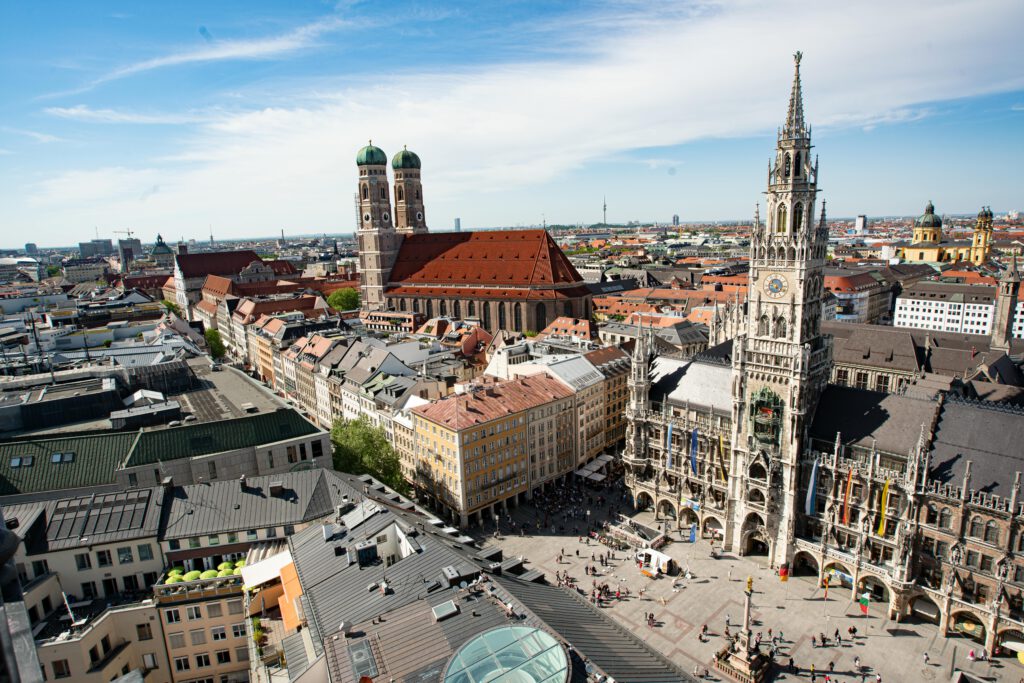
363, 448
214, 343
346, 299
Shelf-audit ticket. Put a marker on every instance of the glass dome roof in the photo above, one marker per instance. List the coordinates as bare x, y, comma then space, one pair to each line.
509, 654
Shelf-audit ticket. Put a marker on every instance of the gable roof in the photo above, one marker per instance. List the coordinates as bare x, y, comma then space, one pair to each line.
986, 434
215, 263
519, 258
890, 422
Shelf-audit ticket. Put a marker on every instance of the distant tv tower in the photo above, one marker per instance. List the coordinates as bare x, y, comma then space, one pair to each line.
604, 211
211, 236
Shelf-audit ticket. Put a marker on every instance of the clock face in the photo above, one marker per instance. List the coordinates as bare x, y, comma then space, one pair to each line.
775, 285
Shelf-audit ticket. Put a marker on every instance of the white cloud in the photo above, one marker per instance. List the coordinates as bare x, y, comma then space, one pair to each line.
35, 135
87, 114
300, 38
485, 132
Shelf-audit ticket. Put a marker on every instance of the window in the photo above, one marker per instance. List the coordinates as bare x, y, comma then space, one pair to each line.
193, 543
975, 528
40, 567
272, 532
174, 544
214, 610
238, 630
172, 616
861, 381
61, 669
232, 537
181, 664
145, 552
931, 515
991, 532
124, 555
103, 558
144, 631
882, 384
133, 479
234, 606
252, 535
131, 583
945, 518
241, 654
202, 661
223, 657
211, 468
149, 578
89, 589
83, 561
289, 529
218, 633
176, 640
194, 612
149, 661
214, 539
198, 636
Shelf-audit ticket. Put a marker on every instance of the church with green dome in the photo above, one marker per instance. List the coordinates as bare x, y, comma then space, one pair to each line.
515, 280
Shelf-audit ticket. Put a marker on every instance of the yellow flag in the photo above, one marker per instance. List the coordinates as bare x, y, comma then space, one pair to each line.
885, 504
721, 458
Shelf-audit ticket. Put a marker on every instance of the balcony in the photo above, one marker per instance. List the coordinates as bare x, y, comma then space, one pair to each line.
108, 657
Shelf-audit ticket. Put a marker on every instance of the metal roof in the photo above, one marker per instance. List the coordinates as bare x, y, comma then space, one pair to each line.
696, 382
94, 462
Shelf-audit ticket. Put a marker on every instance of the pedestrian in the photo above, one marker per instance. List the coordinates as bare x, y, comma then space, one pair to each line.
831, 667
814, 642
839, 639
728, 622
837, 634
878, 678
926, 659
856, 662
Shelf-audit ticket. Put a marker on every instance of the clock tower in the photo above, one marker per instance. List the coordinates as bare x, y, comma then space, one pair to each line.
780, 359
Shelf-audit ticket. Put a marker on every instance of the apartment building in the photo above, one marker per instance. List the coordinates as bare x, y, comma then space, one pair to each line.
861, 296
952, 307
613, 363
473, 450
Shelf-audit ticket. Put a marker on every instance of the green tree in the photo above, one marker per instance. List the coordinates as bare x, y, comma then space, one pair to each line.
52, 271
362, 448
214, 343
172, 307
344, 299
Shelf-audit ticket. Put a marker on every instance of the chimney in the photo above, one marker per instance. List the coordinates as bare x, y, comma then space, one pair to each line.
241, 484
167, 483
276, 488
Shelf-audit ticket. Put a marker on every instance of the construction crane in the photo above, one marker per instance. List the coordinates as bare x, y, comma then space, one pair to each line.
124, 232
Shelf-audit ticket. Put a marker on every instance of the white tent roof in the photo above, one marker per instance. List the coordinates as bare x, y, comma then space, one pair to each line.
266, 570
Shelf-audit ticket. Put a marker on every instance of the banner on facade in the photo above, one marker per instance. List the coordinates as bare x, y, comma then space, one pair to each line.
693, 450
812, 491
668, 447
693, 532
846, 497
721, 458
884, 505
865, 600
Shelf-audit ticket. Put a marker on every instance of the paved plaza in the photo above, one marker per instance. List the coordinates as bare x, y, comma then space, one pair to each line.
796, 608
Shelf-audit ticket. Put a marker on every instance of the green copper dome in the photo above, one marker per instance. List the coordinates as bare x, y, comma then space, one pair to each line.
371, 156
928, 219
405, 159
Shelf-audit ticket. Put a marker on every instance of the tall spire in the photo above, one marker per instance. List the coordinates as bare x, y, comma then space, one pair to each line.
822, 224
795, 115
1012, 274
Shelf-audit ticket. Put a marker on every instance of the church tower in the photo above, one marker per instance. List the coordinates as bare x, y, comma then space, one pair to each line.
378, 241
1006, 308
409, 214
780, 358
981, 240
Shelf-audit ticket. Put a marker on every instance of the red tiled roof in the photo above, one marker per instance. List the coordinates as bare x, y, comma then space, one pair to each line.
207, 307
143, 281
495, 401
281, 267
570, 327
215, 263
499, 258
483, 293
217, 285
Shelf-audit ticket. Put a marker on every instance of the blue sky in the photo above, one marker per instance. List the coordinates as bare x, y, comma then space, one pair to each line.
245, 117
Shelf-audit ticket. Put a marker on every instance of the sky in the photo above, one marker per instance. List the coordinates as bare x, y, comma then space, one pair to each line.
244, 118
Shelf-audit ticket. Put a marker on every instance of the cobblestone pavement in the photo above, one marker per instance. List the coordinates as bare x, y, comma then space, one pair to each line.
715, 591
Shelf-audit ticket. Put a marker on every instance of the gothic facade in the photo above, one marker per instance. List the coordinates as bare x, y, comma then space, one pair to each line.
879, 493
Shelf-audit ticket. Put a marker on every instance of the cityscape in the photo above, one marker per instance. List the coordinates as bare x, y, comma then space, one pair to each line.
598, 437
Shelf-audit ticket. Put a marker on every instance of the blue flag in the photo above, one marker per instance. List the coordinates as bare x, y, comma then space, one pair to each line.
693, 450
668, 446
693, 533
812, 490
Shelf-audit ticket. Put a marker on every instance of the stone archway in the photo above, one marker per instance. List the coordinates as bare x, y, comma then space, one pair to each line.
713, 527
643, 501
875, 586
805, 564
1010, 642
666, 509
967, 624
922, 608
687, 516
754, 536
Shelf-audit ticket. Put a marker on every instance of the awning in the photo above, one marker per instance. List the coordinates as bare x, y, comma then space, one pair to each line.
925, 608
596, 476
604, 457
266, 570
1012, 644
